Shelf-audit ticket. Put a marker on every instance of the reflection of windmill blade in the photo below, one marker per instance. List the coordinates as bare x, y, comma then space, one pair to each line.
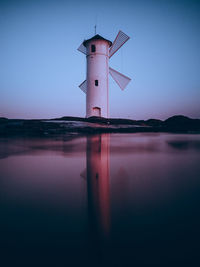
83, 86
82, 49
121, 39
120, 79
83, 174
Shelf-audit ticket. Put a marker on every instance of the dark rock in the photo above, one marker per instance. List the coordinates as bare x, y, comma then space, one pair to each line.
154, 122
182, 123
67, 125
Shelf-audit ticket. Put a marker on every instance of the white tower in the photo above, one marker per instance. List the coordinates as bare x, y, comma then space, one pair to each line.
98, 51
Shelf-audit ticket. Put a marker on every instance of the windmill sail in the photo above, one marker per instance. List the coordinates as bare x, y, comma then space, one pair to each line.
82, 49
120, 79
121, 39
83, 86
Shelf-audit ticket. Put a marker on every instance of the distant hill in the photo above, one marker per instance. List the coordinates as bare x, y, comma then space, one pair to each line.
78, 125
177, 121
182, 123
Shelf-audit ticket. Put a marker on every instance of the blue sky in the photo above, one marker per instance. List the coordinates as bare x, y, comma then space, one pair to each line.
40, 67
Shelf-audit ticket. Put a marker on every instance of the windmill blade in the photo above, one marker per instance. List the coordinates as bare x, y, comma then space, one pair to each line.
120, 79
121, 39
83, 86
82, 49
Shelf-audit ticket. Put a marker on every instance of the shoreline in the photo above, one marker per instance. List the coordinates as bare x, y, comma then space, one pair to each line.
94, 125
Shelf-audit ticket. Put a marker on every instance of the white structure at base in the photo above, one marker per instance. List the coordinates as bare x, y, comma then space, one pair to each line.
96, 86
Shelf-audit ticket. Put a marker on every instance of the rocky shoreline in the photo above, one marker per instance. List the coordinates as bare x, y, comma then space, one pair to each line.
77, 125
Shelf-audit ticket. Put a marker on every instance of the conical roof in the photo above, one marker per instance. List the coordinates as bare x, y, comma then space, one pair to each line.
96, 37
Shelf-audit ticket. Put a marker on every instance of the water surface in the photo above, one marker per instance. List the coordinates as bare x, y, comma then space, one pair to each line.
100, 200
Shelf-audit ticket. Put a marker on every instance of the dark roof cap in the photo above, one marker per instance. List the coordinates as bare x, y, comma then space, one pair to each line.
97, 37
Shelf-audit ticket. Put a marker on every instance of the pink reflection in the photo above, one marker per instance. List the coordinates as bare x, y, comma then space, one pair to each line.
98, 173
45, 171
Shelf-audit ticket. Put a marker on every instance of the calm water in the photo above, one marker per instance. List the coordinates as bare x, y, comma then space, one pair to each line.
103, 200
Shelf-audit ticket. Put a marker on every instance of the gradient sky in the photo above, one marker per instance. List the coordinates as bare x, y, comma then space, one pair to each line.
40, 67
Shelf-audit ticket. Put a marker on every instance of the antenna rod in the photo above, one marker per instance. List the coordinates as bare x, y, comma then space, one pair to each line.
95, 29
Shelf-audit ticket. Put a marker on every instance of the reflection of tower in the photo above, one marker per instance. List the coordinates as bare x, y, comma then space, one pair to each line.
98, 184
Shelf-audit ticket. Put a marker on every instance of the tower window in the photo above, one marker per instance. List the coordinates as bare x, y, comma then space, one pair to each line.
96, 82
93, 48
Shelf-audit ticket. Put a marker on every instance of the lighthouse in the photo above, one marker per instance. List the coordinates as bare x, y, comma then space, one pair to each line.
98, 51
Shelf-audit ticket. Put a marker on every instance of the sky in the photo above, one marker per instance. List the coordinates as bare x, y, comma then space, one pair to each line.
41, 68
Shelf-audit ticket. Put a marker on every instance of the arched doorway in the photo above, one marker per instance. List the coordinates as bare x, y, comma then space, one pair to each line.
96, 111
